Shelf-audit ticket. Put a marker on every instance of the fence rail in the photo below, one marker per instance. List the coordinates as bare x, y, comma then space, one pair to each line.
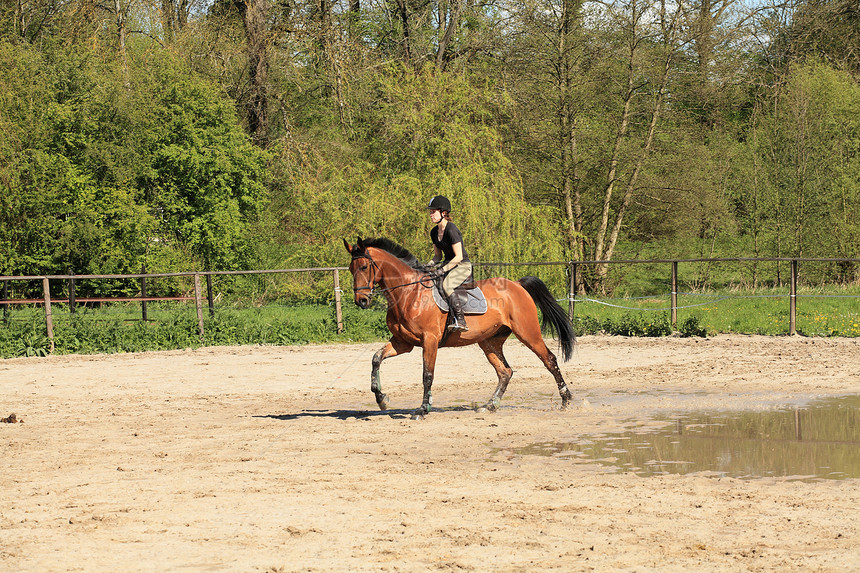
572, 267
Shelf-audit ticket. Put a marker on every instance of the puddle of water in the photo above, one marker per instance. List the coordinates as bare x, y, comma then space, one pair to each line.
818, 441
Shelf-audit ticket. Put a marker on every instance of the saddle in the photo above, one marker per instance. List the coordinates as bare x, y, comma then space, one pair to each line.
476, 303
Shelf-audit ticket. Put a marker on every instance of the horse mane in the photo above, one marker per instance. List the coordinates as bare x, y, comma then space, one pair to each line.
393, 248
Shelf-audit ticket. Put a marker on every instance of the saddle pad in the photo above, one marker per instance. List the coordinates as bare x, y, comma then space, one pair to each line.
475, 302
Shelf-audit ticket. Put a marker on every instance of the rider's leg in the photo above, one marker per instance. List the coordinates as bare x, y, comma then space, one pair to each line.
457, 296
457, 302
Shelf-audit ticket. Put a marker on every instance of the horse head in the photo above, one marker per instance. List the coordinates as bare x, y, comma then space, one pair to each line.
365, 273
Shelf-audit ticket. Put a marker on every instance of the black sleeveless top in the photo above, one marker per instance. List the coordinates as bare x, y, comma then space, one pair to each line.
450, 237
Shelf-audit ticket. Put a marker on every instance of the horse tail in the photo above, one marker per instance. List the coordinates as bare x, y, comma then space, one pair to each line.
553, 315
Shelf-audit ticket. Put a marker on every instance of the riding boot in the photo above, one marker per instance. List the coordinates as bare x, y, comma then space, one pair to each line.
456, 302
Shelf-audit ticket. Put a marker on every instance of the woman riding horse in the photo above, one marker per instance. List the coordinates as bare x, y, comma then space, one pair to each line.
450, 260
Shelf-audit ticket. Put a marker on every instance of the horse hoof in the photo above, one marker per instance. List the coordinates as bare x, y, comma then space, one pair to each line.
417, 416
382, 402
491, 406
481, 409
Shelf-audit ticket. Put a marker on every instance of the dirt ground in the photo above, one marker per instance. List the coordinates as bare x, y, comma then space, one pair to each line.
276, 459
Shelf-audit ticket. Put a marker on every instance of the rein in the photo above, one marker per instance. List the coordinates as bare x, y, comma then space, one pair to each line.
373, 281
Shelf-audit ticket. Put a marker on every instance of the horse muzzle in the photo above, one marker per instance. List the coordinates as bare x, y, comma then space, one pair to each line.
362, 301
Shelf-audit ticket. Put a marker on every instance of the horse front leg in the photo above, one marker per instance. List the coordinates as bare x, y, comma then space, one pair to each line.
392, 348
431, 347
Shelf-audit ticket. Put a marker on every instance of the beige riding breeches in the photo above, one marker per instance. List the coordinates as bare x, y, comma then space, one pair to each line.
457, 276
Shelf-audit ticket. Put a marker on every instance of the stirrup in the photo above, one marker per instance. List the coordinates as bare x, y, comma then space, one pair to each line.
455, 326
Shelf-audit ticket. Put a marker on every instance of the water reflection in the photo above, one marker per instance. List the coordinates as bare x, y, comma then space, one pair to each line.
818, 441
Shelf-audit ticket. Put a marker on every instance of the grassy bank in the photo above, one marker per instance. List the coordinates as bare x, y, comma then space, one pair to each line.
120, 328
820, 312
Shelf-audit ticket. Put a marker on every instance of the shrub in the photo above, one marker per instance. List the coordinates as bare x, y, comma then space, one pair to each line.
692, 327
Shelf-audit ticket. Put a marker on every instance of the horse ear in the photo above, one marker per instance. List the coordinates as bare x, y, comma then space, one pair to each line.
360, 243
348, 246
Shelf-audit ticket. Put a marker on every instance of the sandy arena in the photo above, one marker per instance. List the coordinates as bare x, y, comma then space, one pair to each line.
276, 459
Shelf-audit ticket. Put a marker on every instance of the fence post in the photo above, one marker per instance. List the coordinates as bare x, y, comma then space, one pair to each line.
571, 295
143, 293
792, 298
674, 294
49, 320
5, 304
337, 307
198, 302
209, 296
72, 292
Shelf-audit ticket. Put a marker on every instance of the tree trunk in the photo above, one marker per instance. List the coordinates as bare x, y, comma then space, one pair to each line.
570, 192
450, 26
352, 17
640, 162
404, 21
611, 178
122, 33
606, 248
254, 15
174, 17
168, 20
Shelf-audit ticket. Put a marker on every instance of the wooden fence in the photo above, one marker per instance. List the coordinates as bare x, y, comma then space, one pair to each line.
573, 268
198, 297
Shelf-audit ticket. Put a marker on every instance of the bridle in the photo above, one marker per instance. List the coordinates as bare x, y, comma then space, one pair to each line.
373, 282
373, 267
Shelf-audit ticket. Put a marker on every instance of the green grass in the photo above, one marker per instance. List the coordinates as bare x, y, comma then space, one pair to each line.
820, 312
118, 328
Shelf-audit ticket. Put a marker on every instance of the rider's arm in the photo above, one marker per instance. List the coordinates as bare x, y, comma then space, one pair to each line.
458, 256
437, 255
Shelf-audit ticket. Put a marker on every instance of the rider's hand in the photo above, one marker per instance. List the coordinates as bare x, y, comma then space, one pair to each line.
436, 273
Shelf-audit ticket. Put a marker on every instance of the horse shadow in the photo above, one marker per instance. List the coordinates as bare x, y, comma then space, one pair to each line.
343, 415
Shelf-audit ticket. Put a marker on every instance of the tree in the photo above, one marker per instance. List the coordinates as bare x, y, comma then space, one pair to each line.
828, 30
429, 134
809, 149
98, 176
548, 65
255, 18
174, 17
604, 88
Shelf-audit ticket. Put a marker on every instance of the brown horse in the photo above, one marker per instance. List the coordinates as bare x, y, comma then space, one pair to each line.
414, 319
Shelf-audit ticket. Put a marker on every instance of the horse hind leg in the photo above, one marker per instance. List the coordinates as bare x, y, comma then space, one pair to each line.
536, 344
493, 349
551, 363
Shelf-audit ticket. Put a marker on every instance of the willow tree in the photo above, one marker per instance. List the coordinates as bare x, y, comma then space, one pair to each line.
429, 133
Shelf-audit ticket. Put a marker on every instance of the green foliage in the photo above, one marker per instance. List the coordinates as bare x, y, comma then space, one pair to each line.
204, 177
821, 311
639, 324
31, 344
429, 134
809, 152
691, 326
114, 158
118, 328
99, 178
824, 29
173, 326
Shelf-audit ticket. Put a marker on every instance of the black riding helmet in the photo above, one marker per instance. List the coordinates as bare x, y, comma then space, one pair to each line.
440, 202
